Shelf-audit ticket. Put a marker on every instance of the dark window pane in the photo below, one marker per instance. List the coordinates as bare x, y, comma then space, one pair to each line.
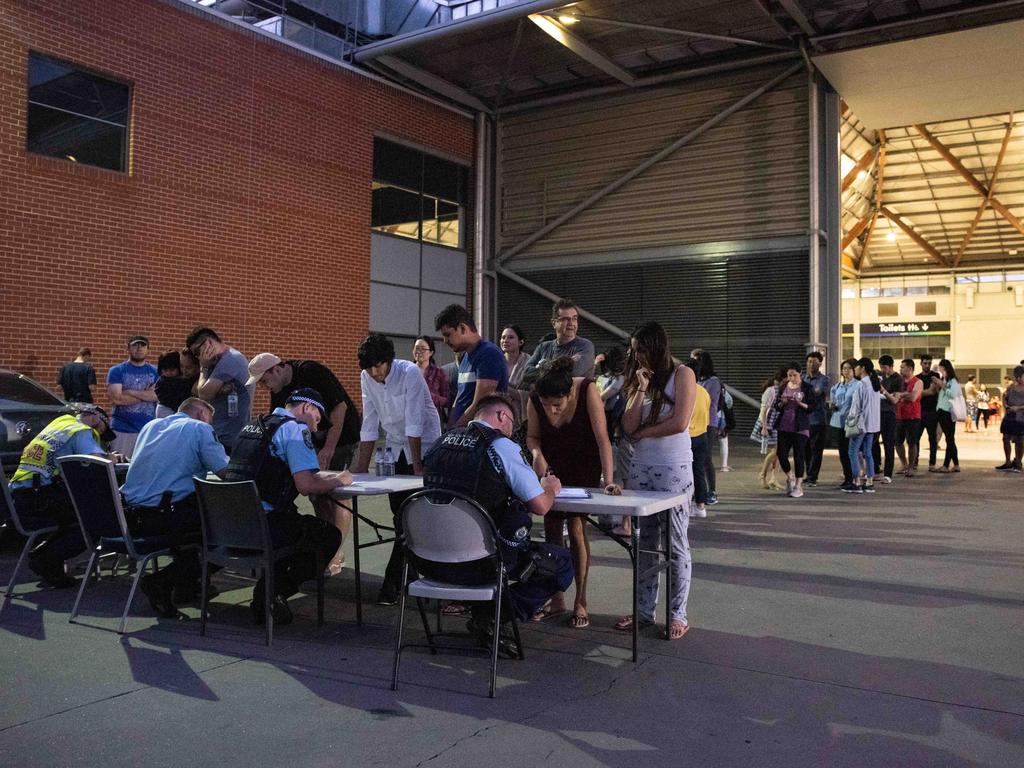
59, 134
397, 165
396, 211
76, 115
442, 178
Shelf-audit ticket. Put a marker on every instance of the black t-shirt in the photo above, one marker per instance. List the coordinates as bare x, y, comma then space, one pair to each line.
928, 402
892, 384
75, 379
309, 373
172, 391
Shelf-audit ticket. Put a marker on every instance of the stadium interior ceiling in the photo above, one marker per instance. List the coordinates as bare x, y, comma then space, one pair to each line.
932, 152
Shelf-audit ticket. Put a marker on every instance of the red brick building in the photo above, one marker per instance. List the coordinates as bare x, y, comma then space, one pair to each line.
246, 205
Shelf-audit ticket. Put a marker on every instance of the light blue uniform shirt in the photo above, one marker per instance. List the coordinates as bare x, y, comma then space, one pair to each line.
169, 453
293, 444
519, 475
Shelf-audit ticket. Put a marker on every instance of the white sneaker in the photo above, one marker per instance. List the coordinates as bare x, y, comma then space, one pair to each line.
726, 469
886, 480
699, 511
797, 493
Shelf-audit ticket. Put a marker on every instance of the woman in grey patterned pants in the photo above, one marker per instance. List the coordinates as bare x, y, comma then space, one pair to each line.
659, 404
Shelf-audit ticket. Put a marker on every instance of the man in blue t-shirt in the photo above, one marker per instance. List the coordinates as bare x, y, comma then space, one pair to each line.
482, 370
223, 373
131, 387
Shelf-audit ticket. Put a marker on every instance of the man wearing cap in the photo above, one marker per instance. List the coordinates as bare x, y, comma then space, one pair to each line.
277, 452
160, 498
396, 398
223, 371
338, 436
131, 388
38, 491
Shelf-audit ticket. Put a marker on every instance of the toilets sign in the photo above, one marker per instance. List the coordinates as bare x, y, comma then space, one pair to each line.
925, 328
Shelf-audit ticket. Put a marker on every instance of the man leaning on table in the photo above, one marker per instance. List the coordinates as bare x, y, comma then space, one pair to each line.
481, 461
396, 399
160, 497
277, 452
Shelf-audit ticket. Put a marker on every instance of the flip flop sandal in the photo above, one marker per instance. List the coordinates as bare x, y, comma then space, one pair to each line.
546, 613
677, 625
579, 621
625, 624
455, 609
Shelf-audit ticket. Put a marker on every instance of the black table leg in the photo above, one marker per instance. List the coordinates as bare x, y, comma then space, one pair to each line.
355, 554
667, 545
634, 539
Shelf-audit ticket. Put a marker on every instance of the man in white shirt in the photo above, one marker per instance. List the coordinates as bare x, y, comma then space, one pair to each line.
397, 399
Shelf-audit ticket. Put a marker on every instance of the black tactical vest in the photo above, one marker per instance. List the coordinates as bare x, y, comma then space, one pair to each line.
464, 461
251, 460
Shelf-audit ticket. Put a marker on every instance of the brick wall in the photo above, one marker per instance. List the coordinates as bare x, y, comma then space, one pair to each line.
247, 208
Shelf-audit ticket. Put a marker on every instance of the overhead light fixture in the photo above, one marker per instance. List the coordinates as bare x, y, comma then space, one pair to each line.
891, 236
861, 175
567, 19
1012, 251
72, 158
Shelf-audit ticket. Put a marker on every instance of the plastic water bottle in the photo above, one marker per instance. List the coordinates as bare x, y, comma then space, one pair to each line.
378, 463
389, 462
232, 404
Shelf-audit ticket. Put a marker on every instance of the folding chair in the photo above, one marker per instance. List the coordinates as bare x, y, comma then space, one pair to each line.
448, 527
92, 484
236, 536
29, 527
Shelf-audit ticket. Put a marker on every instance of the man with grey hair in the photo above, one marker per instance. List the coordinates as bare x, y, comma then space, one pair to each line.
160, 498
565, 319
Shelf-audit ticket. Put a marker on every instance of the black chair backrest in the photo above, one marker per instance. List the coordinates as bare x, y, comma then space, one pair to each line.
232, 514
6, 503
92, 485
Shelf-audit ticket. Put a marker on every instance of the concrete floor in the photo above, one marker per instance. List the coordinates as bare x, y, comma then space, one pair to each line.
831, 630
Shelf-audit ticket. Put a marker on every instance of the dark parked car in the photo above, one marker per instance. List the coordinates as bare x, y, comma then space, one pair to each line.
26, 407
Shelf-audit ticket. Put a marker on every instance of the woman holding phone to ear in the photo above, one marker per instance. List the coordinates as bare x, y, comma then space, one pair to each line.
659, 403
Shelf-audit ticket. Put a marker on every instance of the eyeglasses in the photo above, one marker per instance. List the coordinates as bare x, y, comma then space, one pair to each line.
571, 318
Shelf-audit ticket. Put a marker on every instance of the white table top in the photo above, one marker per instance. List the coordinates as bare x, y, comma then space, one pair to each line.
634, 503
371, 485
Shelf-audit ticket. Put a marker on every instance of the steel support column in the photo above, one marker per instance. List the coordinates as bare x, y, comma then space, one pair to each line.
484, 283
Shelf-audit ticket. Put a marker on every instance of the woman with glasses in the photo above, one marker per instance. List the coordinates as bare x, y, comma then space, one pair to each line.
437, 382
659, 405
566, 435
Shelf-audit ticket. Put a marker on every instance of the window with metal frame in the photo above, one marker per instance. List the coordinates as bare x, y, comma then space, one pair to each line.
77, 115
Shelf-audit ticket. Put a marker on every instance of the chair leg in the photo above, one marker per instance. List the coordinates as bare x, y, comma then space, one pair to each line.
92, 566
401, 624
140, 568
17, 569
515, 634
268, 596
204, 599
497, 635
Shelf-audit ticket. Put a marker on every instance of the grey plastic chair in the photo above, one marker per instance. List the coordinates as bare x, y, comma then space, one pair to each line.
236, 536
448, 527
29, 527
92, 484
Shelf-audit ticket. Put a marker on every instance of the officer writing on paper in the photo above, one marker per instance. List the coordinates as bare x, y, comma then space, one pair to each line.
480, 461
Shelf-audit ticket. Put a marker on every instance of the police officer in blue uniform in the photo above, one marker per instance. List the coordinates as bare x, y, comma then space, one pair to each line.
277, 452
481, 461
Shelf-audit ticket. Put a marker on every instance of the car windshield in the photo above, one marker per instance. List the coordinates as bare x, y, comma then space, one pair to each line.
16, 391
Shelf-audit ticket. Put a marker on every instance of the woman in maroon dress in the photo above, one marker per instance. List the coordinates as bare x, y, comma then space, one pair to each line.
567, 435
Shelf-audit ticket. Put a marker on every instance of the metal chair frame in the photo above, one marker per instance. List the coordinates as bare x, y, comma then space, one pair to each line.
253, 550
31, 536
487, 547
94, 544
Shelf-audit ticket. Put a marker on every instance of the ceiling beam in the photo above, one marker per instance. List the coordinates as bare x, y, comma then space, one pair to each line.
796, 13
927, 247
558, 31
682, 32
862, 164
856, 229
971, 179
988, 198
433, 82
865, 251
850, 267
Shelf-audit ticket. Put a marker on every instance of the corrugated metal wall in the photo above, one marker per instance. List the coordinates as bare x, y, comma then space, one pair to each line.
744, 179
749, 312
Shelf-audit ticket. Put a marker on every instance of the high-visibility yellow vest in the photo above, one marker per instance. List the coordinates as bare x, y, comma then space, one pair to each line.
40, 455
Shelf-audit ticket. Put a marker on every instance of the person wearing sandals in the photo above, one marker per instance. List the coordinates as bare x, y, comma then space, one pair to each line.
659, 405
766, 436
950, 391
566, 434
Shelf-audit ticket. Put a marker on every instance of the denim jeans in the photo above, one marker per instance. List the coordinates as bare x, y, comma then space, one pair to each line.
859, 443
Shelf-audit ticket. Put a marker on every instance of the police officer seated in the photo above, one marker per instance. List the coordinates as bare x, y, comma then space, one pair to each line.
480, 461
38, 491
160, 498
277, 452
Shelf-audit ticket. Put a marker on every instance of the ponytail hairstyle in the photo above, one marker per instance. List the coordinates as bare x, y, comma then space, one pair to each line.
869, 369
556, 381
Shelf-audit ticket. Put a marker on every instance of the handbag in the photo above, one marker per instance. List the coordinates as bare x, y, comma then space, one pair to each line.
958, 408
852, 426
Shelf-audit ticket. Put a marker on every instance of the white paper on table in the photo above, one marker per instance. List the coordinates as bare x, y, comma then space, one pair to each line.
574, 493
